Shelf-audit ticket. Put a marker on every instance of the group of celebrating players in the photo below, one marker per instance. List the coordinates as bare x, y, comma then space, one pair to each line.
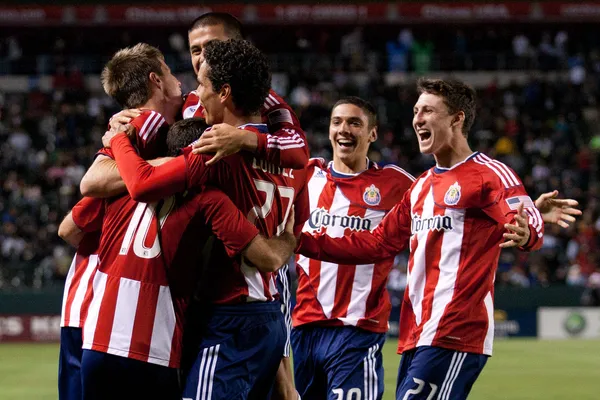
193, 208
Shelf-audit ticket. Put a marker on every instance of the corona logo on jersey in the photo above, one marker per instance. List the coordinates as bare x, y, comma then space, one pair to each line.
452, 195
437, 222
372, 196
322, 218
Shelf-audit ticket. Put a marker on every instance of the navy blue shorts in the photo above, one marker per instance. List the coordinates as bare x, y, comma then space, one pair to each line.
436, 373
337, 363
106, 376
239, 353
69, 364
284, 282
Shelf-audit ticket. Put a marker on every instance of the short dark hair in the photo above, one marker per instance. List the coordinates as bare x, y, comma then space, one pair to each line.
125, 77
364, 105
243, 67
183, 133
458, 96
231, 25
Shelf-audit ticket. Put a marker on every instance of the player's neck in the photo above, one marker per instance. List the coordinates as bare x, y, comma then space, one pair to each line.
235, 119
162, 108
455, 153
350, 166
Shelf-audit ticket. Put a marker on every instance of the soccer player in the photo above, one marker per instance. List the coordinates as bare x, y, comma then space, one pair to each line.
284, 146
233, 81
342, 311
74, 308
454, 218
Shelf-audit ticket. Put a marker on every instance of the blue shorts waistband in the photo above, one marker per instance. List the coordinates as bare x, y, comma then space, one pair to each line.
255, 307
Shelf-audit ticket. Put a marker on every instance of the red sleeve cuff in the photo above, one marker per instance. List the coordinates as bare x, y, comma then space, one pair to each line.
261, 145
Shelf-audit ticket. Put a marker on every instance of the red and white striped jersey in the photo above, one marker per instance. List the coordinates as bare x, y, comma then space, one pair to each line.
285, 147
148, 271
262, 191
88, 213
453, 220
335, 295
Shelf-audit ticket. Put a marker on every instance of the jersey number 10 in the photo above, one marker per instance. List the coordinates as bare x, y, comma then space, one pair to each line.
139, 226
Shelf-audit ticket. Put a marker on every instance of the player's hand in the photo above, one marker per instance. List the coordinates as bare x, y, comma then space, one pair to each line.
129, 130
519, 232
557, 211
118, 121
222, 140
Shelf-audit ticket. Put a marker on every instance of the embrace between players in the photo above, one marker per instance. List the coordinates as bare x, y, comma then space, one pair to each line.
180, 285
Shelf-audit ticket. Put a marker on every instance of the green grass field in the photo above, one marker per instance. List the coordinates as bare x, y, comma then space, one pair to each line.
519, 370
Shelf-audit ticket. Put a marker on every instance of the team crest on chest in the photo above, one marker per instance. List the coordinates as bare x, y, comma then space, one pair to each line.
452, 195
372, 196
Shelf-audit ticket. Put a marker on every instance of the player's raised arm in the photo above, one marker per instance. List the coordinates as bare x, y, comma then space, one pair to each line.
509, 204
102, 179
144, 182
365, 247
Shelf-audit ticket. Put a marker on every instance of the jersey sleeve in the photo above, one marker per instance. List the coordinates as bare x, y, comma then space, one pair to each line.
388, 239
501, 199
144, 182
88, 214
105, 151
285, 144
228, 223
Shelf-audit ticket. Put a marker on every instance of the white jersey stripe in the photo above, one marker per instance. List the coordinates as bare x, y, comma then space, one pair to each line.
147, 124
273, 99
82, 290
121, 333
156, 128
163, 329
68, 282
409, 176
488, 342
507, 171
449, 266
493, 168
89, 328
416, 284
256, 287
269, 102
291, 146
153, 127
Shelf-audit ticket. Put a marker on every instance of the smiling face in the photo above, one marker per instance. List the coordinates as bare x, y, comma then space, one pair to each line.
199, 37
212, 101
433, 123
350, 134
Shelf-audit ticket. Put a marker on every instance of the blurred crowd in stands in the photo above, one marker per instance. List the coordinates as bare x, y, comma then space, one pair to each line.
546, 127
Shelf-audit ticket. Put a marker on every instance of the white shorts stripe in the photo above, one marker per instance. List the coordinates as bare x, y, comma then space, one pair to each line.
212, 372
448, 375
458, 366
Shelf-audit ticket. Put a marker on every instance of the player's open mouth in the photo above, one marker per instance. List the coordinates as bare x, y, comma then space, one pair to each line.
424, 135
346, 143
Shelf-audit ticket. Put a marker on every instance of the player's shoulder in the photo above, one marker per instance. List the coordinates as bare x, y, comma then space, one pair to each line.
316, 162
395, 172
191, 106
494, 172
148, 123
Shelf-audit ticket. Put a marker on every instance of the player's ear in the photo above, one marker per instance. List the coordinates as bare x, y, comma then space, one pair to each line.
155, 79
373, 134
225, 93
458, 119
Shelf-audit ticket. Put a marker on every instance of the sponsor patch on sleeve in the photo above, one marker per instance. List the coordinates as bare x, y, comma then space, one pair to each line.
513, 202
279, 116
